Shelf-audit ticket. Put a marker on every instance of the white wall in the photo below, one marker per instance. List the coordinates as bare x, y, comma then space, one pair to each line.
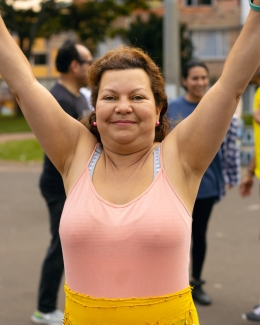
244, 10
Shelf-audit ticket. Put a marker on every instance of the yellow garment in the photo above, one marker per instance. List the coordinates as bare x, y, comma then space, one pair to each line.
257, 134
173, 309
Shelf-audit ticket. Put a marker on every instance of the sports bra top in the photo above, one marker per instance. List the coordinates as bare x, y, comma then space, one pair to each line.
98, 151
137, 249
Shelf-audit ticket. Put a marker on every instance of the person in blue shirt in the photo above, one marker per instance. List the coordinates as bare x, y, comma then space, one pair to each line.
223, 170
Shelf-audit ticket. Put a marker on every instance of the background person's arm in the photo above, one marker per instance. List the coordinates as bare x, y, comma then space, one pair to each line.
231, 156
57, 132
245, 188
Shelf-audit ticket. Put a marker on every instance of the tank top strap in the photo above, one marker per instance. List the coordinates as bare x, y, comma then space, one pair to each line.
156, 161
98, 151
94, 160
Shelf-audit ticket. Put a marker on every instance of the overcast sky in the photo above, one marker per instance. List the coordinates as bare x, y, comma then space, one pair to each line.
25, 4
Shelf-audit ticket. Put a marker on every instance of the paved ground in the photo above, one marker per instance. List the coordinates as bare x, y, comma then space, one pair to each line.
232, 266
16, 136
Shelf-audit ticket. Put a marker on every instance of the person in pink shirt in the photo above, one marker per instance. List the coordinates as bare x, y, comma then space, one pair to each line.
130, 185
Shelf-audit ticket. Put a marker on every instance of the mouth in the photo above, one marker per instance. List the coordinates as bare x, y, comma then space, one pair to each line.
123, 122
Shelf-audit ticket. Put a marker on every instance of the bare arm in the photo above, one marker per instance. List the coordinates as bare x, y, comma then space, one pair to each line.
57, 132
245, 188
200, 135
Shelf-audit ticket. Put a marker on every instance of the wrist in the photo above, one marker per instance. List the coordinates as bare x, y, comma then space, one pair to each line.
254, 5
250, 172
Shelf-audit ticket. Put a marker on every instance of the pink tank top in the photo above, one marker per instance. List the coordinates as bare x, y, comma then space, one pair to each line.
138, 249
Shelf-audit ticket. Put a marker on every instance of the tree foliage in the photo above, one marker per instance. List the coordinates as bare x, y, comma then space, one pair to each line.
91, 20
27, 23
148, 35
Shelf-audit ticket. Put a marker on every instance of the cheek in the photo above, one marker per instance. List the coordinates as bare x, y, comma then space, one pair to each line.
146, 115
102, 112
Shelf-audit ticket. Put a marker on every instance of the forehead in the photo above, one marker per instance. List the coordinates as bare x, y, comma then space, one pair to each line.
125, 78
197, 71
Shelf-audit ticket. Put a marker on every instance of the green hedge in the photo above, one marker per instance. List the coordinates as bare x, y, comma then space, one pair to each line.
13, 124
248, 119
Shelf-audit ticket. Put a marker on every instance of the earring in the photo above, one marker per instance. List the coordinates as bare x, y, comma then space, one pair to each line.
94, 124
157, 123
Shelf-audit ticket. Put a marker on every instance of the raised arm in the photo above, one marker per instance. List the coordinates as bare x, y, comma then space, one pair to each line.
57, 132
200, 135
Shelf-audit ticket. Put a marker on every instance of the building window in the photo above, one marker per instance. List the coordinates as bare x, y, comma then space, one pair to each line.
210, 44
39, 59
198, 2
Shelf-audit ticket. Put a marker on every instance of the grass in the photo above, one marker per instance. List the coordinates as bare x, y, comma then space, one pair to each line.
13, 125
24, 150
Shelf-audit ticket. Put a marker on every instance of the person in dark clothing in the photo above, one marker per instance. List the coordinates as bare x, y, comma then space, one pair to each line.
73, 61
223, 170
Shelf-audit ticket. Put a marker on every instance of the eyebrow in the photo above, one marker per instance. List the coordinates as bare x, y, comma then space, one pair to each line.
113, 91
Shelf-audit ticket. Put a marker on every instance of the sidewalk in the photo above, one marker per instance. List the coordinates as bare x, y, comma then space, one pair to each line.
16, 136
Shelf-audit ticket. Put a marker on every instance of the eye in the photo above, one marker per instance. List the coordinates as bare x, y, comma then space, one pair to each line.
137, 97
109, 98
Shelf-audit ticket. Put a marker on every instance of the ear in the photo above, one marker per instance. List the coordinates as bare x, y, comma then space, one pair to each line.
158, 111
74, 65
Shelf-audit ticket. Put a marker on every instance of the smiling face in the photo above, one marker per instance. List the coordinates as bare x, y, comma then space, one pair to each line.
125, 110
196, 83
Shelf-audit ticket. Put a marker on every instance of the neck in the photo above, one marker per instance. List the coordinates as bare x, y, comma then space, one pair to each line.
128, 160
192, 99
70, 84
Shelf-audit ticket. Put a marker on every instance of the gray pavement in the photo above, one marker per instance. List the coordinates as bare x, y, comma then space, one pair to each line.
24, 237
232, 268
16, 136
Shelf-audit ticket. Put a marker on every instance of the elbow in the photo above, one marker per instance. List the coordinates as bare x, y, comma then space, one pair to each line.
235, 92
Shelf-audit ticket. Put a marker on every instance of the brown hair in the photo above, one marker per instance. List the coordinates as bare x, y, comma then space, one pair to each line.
123, 58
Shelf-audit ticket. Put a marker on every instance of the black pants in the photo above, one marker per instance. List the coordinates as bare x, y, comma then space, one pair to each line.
52, 268
201, 214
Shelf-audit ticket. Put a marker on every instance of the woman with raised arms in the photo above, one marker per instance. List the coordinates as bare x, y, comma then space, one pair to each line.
131, 187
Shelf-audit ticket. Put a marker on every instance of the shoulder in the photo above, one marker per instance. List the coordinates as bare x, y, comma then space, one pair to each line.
60, 93
174, 105
56, 88
180, 108
85, 92
177, 101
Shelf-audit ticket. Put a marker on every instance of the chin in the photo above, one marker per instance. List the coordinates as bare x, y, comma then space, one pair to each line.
119, 140
123, 141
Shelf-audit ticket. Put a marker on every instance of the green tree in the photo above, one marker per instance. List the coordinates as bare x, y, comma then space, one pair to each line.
27, 23
91, 20
148, 35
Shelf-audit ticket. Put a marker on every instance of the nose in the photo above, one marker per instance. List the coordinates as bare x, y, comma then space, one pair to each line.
123, 106
204, 81
201, 82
